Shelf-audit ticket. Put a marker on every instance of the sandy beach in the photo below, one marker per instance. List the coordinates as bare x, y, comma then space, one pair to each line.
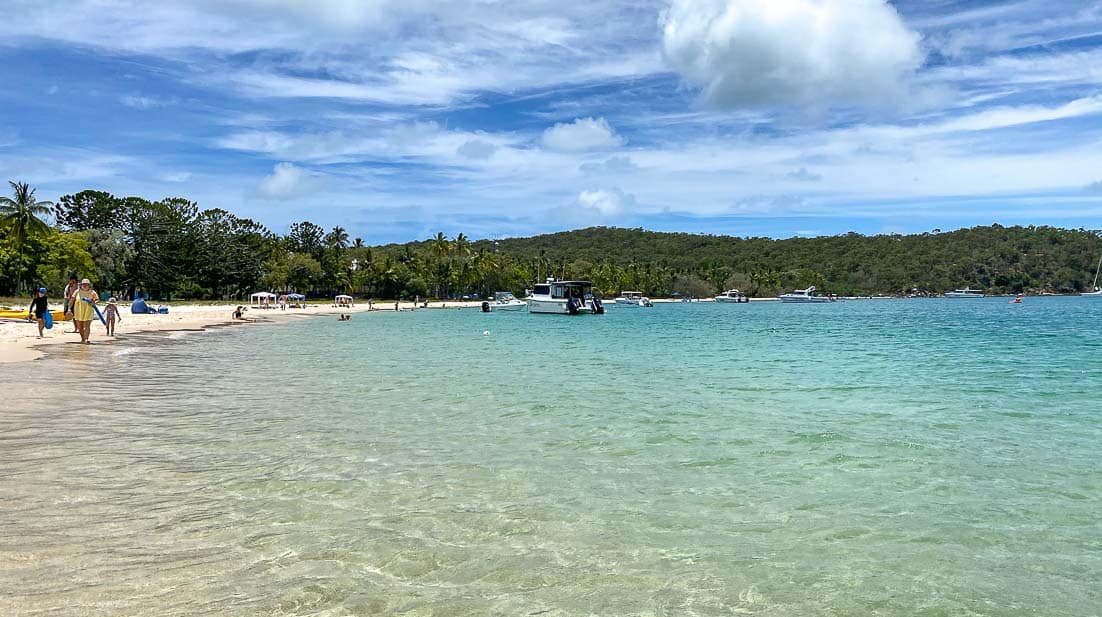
19, 340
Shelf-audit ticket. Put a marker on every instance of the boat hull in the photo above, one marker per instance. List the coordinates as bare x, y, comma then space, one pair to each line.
806, 300
556, 307
508, 306
57, 315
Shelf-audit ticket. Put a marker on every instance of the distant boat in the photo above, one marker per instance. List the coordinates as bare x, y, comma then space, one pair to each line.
505, 301
1097, 293
732, 295
633, 298
965, 293
1018, 299
805, 296
564, 298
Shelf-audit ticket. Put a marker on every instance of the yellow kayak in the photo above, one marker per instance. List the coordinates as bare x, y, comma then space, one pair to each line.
58, 315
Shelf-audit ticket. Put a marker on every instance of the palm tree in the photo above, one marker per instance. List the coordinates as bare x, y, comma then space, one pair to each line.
337, 238
439, 245
462, 245
19, 218
439, 248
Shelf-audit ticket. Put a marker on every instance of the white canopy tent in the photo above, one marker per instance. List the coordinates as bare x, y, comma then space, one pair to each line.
343, 300
262, 299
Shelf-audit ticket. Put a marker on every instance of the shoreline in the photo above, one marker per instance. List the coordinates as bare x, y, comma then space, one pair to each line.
19, 340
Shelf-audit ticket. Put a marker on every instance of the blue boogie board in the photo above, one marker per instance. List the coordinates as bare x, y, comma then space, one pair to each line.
48, 320
98, 314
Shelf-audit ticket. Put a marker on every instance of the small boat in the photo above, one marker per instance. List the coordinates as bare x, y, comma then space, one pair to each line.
1017, 299
805, 296
965, 293
633, 298
732, 295
1097, 293
564, 298
504, 301
21, 315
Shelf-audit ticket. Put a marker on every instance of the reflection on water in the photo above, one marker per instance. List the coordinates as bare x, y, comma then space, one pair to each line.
891, 458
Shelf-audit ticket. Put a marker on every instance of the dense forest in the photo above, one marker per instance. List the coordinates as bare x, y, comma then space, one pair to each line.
173, 249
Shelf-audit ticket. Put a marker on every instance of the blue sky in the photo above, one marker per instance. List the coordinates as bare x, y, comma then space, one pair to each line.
398, 119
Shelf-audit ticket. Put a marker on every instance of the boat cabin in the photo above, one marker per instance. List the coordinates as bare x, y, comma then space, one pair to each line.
562, 290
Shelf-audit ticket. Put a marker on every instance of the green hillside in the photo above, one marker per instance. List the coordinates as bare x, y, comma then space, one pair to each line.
173, 248
996, 258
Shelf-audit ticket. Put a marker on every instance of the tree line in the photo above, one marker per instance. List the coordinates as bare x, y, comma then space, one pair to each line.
173, 249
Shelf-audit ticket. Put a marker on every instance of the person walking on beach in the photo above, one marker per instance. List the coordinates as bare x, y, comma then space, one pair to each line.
83, 300
110, 314
39, 307
68, 302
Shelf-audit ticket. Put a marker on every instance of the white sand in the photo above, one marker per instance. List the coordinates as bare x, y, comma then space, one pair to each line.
19, 341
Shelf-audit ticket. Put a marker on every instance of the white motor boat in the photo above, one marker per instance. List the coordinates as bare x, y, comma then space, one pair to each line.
633, 298
564, 298
805, 296
965, 293
732, 295
504, 301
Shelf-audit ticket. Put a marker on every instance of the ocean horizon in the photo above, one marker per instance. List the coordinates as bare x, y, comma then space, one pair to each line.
897, 457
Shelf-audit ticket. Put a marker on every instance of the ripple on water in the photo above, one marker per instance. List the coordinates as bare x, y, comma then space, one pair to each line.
679, 460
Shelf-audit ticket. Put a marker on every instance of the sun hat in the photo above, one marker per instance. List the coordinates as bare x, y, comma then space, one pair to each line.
41, 290
111, 300
85, 281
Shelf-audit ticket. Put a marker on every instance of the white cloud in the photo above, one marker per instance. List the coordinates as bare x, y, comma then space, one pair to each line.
419, 52
1034, 71
593, 207
614, 165
61, 164
176, 177
581, 135
421, 141
759, 205
1010, 26
797, 53
476, 149
286, 182
606, 203
803, 175
140, 102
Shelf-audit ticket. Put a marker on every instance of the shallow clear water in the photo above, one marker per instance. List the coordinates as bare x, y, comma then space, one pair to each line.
928, 457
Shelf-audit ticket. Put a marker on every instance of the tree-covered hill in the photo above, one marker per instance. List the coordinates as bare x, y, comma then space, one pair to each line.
999, 259
173, 248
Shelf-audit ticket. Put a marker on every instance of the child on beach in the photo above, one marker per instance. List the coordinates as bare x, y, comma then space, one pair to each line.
110, 314
39, 306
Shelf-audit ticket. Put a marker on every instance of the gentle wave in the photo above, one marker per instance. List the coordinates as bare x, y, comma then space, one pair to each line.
862, 458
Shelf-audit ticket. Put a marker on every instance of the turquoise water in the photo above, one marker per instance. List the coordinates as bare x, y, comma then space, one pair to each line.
926, 457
